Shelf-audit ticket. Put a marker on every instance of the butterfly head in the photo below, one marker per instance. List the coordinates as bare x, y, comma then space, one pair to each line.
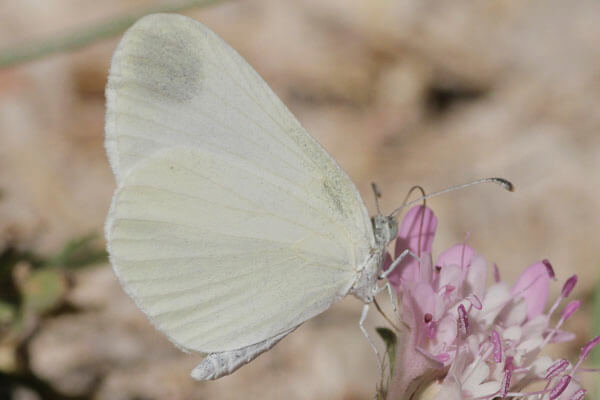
385, 228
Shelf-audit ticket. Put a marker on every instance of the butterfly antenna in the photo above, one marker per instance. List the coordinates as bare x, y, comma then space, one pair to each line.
506, 184
377, 194
410, 192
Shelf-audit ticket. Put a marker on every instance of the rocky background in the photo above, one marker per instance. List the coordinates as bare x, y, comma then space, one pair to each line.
402, 92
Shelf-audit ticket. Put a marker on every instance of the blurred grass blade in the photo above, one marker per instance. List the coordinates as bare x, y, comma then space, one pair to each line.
78, 39
7, 313
389, 338
79, 252
44, 290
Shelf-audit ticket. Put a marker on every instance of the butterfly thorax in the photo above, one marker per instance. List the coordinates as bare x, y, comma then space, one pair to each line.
385, 229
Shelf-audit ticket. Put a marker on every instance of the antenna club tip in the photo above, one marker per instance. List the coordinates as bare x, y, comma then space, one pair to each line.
505, 183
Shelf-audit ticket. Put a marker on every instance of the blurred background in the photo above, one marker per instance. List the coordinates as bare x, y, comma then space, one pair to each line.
400, 92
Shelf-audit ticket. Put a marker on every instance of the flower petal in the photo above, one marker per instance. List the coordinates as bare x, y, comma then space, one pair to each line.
540, 366
425, 298
513, 333
475, 374
569, 391
450, 391
533, 285
416, 233
460, 254
486, 389
446, 332
476, 277
496, 298
419, 224
451, 275
515, 314
530, 345
562, 336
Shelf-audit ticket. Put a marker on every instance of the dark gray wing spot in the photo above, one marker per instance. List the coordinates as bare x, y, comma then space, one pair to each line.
335, 185
164, 56
335, 192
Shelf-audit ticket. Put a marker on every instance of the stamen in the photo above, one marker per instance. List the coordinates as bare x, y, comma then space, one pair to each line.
463, 321
569, 285
560, 387
496, 273
431, 327
557, 368
566, 291
443, 357
505, 386
497, 343
589, 369
432, 330
567, 312
570, 309
509, 363
549, 268
462, 253
474, 300
578, 395
585, 351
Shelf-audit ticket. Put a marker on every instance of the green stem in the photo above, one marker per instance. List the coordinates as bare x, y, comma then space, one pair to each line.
595, 357
78, 39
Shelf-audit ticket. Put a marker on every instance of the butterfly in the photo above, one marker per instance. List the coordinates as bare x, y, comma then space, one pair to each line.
230, 225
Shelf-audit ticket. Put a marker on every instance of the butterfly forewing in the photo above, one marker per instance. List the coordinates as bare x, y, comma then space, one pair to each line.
230, 224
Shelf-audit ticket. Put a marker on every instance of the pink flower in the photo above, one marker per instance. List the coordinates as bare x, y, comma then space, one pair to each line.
478, 341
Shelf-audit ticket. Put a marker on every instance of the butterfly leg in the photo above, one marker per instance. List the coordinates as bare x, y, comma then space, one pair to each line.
397, 261
388, 271
361, 324
390, 291
393, 299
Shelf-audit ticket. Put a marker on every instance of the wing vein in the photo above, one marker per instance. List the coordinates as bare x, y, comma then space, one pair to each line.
264, 211
230, 130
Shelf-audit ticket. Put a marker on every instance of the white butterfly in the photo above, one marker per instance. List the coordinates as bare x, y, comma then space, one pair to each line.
230, 225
